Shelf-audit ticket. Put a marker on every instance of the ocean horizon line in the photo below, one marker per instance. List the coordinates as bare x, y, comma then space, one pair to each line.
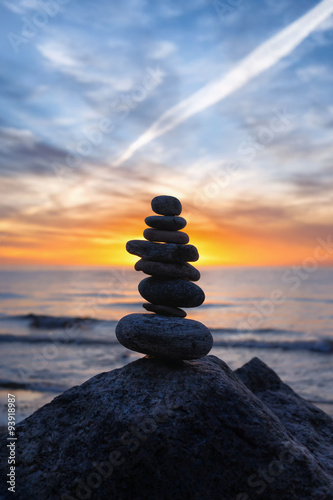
45, 267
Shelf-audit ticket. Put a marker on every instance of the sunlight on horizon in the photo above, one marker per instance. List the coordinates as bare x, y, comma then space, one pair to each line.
237, 127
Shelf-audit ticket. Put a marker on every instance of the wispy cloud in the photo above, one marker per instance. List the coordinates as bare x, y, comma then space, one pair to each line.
88, 61
22, 152
162, 49
22, 6
261, 59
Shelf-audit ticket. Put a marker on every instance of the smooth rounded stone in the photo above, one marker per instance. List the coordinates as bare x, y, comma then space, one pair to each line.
162, 252
165, 310
177, 293
166, 236
166, 205
155, 335
165, 222
168, 270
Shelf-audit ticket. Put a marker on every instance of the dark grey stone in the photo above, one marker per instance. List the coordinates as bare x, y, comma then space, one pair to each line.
173, 338
166, 236
165, 310
308, 424
168, 270
166, 205
166, 223
177, 293
162, 252
173, 431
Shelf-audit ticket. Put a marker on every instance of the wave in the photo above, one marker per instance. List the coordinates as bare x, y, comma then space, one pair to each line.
321, 401
43, 339
310, 299
217, 305
8, 296
39, 321
257, 331
33, 386
324, 346
256, 300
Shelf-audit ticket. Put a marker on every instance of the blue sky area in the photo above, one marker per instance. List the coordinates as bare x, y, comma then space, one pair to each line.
81, 82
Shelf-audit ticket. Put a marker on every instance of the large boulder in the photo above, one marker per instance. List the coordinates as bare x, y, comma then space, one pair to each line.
183, 430
304, 421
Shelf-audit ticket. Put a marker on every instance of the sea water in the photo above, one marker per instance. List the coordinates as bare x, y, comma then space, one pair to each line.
57, 327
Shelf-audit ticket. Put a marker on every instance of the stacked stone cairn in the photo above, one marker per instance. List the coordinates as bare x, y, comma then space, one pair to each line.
164, 256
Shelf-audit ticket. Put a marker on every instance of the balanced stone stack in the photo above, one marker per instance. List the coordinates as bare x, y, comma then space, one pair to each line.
164, 256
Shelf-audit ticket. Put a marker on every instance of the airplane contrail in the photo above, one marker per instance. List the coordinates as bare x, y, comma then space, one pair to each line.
262, 58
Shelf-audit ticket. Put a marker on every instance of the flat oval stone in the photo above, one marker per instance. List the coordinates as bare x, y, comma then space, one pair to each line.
168, 270
162, 252
177, 293
166, 236
165, 222
155, 335
165, 310
166, 205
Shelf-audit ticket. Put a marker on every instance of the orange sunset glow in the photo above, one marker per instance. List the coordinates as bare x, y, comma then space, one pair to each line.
213, 121
83, 242
239, 131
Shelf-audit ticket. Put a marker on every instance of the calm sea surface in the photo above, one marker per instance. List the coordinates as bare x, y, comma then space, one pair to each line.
57, 327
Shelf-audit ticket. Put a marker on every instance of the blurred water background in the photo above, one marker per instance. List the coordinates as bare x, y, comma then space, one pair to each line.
57, 327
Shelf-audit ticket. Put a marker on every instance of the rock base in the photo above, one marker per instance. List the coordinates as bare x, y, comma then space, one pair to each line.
192, 430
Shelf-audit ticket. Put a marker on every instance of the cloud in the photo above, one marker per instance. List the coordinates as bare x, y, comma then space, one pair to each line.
162, 49
58, 56
261, 59
60, 86
280, 220
314, 71
22, 6
263, 213
315, 184
10, 137
23, 152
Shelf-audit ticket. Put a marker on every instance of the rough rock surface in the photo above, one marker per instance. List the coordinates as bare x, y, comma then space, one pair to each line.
166, 236
191, 430
177, 293
165, 310
162, 252
311, 426
168, 269
155, 335
166, 223
166, 205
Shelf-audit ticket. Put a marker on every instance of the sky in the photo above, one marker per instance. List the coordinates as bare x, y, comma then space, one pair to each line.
227, 105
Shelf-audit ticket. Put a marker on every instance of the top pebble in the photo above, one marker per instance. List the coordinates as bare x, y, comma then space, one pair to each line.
166, 205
